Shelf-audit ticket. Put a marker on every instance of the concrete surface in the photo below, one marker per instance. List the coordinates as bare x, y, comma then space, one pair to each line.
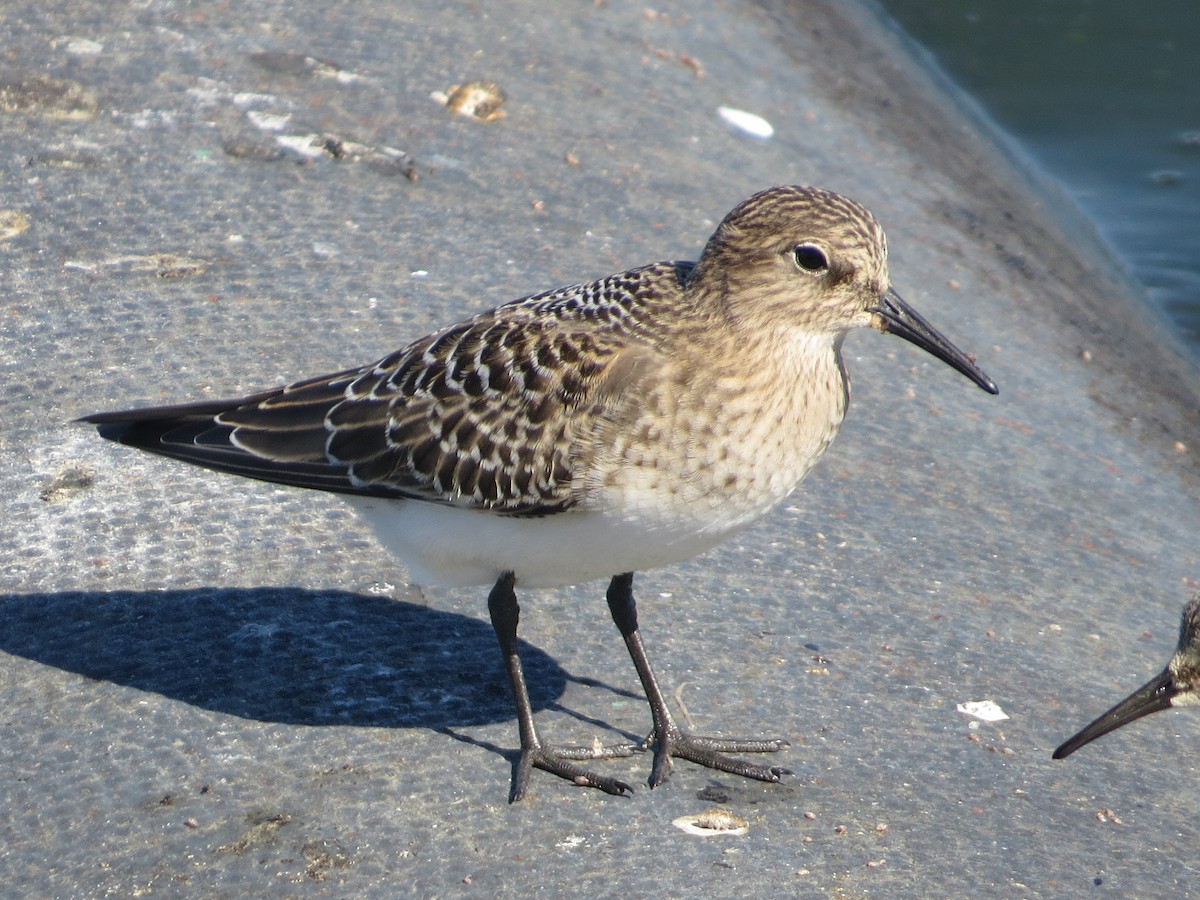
213, 687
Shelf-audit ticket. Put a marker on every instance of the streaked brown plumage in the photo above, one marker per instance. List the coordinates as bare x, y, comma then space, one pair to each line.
590, 431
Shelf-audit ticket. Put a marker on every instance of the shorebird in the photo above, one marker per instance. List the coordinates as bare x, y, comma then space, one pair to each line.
1176, 685
586, 432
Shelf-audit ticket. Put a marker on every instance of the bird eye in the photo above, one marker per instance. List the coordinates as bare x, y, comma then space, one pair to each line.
811, 258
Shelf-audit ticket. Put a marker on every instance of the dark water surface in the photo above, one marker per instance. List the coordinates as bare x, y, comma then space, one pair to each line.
1106, 96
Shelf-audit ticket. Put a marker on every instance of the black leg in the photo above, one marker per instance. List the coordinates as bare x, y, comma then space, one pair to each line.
669, 741
505, 613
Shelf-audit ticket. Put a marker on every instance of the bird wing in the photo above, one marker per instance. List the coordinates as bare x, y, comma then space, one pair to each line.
484, 414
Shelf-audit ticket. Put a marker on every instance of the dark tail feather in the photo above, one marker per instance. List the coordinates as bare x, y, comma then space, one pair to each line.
191, 433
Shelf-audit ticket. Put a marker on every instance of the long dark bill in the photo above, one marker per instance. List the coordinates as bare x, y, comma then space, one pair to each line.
1154, 695
897, 317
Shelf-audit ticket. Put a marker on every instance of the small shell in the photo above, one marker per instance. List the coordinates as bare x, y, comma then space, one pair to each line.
984, 710
755, 126
712, 822
481, 99
268, 121
78, 46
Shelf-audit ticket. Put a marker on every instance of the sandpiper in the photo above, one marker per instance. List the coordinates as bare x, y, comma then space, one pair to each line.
591, 431
1176, 685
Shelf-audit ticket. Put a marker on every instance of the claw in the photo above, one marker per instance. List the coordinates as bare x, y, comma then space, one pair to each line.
710, 752
558, 761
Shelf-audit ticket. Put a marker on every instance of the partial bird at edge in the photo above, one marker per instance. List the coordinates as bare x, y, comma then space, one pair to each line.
1178, 685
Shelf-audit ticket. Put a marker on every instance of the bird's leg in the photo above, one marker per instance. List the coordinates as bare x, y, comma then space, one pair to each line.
668, 739
502, 605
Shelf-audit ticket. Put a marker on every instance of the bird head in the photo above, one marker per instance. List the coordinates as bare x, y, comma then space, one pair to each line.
805, 258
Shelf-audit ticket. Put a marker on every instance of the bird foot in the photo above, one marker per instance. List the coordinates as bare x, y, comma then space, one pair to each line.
560, 761
710, 752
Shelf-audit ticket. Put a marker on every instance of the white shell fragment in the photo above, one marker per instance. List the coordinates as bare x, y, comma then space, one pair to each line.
984, 710
755, 126
712, 822
268, 121
302, 144
78, 46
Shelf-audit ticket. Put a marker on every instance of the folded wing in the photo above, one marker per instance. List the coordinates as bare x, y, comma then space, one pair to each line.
483, 414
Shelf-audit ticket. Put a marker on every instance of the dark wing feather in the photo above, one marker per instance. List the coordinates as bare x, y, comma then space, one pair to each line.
193, 433
484, 414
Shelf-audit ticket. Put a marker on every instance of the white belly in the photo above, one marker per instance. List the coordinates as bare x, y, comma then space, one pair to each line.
451, 546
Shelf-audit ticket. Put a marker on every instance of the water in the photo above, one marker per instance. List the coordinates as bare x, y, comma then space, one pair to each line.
1106, 96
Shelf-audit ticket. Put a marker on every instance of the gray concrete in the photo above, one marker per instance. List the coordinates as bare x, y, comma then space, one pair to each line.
215, 687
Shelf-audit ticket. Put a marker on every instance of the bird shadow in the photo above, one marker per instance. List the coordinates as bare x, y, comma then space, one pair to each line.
286, 655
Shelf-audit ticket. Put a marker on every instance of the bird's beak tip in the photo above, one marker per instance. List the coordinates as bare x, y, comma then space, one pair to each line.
893, 315
1155, 695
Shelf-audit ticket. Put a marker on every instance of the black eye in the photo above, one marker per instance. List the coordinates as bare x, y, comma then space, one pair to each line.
811, 258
